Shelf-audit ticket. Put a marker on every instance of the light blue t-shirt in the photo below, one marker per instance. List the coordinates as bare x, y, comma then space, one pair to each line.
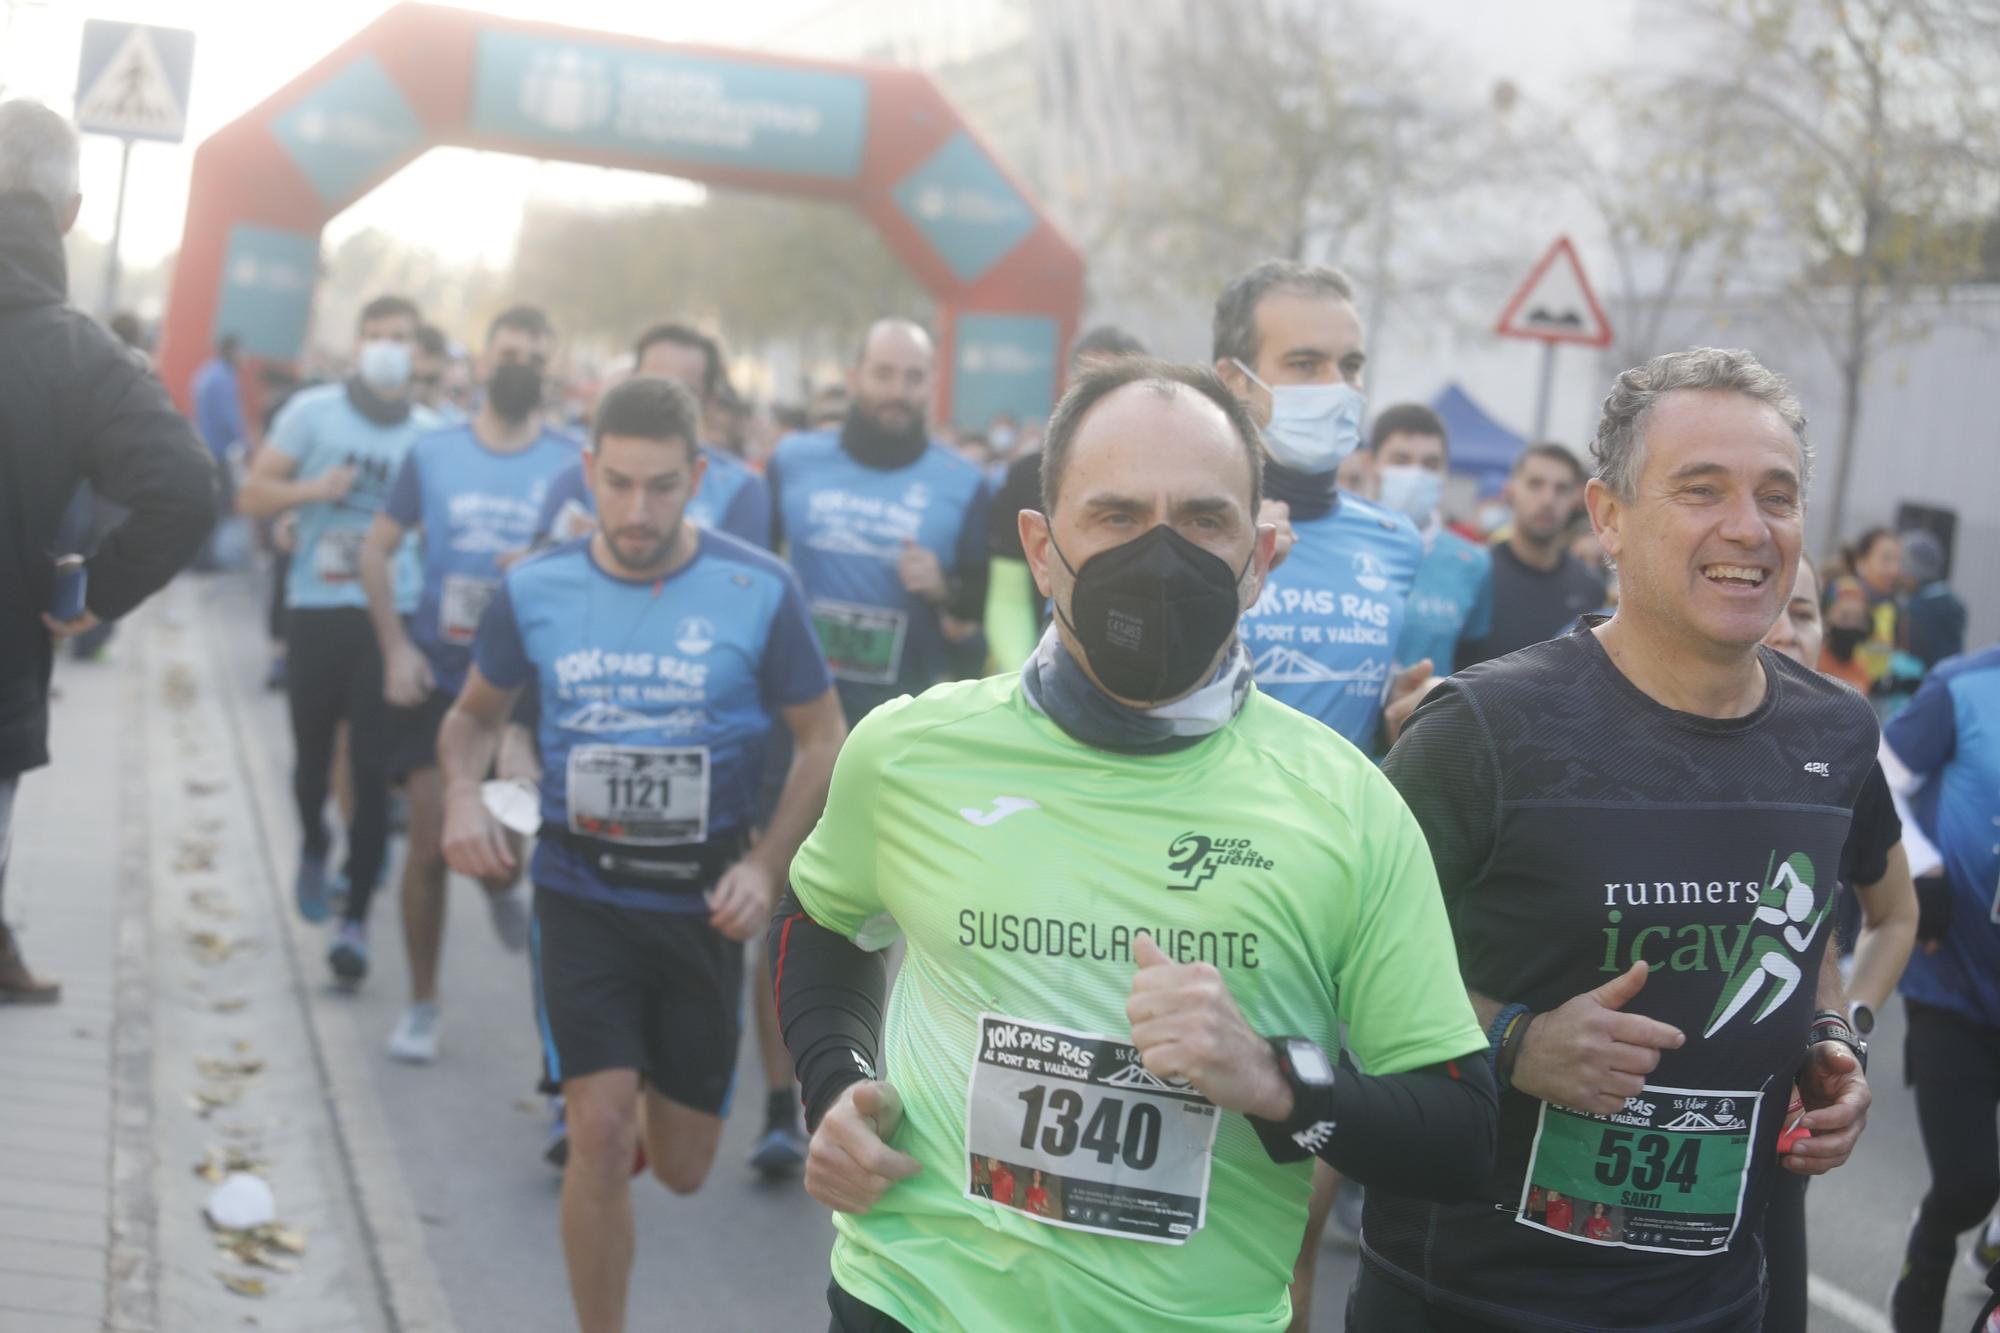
657, 698
845, 524
732, 499
1951, 732
474, 506
320, 430
1323, 634
1452, 600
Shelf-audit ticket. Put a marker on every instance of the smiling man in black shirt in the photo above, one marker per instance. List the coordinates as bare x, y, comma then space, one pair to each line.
1638, 829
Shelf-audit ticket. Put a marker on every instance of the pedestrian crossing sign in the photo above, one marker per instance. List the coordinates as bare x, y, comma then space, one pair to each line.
132, 80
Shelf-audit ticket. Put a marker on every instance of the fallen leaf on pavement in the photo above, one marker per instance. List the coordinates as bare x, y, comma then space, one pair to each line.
211, 902
242, 1284
206, 1101
222, 1070
229, 1005
202, 786
212, 947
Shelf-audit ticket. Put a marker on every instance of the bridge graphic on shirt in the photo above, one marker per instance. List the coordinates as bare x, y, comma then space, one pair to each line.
1278, 665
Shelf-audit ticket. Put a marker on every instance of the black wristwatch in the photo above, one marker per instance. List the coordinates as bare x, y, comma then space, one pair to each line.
1310, 1075
1832, 1025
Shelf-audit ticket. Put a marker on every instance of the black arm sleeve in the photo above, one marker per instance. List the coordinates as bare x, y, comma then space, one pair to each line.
1429, 1133
830, 994
969, 567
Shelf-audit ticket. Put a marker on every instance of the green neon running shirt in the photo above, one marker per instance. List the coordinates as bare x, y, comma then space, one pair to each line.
1018, 863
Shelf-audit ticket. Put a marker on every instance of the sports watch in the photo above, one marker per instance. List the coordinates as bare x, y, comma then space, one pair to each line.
1310, 1075
1832, 1025
1862, 1019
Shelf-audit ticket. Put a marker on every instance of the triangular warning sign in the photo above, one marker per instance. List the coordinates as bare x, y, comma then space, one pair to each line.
1556, 304
133, 94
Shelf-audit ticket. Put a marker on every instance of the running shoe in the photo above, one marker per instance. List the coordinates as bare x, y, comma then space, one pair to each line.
309, 888
509, 910
781, 1152
415, 1040
556, 1150
1985, 1251
348, 956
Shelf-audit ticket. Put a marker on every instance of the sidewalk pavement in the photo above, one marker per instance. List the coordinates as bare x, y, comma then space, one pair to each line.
144, 879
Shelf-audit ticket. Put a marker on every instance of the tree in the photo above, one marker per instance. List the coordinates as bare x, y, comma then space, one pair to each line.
755, 269
1843, 153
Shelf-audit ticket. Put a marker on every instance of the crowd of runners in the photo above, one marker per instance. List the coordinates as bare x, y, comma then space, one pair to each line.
1142, 835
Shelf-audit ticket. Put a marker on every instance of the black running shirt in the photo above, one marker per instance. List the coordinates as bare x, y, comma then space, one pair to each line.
1577, 826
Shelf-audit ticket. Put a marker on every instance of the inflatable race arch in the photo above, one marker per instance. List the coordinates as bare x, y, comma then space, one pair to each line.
1008, 285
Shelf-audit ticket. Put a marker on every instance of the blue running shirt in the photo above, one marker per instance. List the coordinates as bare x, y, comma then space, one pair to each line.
670, 686
1951, 732
1452, 600
845, 524
1323, 633
475, 506
320, 430
733, 499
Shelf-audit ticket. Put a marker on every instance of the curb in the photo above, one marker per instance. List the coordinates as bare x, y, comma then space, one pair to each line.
410, 1297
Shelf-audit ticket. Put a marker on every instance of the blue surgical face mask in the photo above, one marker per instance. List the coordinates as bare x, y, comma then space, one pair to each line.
1313, 426
1410, 490
384, 365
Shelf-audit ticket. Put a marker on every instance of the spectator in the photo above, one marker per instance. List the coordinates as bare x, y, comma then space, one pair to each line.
75, 405
1933, 615
218, 415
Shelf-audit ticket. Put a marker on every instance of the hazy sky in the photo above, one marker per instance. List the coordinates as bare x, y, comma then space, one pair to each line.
247, 49
464, 203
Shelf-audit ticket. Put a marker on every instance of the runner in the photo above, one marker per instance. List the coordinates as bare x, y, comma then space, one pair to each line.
1323, 635
1539, 587
1452, 599
886, 527
1140, 897
733, 499
1874, 866
332, 454
661, 654
1946, 747
472, 492
1638, 830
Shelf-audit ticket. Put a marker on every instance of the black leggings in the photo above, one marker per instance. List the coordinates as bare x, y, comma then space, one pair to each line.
1785, 1254
334, 675
854, 1316
1954, 1065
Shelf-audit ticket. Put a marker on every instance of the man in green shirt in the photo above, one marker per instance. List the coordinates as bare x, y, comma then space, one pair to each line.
1140, 898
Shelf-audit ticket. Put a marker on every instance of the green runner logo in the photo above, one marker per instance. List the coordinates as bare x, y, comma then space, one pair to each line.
1783, 926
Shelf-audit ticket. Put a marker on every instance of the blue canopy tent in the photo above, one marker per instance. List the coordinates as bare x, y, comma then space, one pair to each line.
1480, 446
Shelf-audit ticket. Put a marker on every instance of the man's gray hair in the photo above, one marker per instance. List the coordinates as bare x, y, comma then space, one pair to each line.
1235, 330
38, 153
1620, 439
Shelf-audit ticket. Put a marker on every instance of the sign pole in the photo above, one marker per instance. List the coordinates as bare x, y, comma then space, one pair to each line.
117, 233
1547, 391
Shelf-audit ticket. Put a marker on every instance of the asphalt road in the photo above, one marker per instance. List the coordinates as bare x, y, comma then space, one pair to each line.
744, 1255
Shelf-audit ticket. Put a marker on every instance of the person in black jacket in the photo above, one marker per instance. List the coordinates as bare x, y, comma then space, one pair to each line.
75, 405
